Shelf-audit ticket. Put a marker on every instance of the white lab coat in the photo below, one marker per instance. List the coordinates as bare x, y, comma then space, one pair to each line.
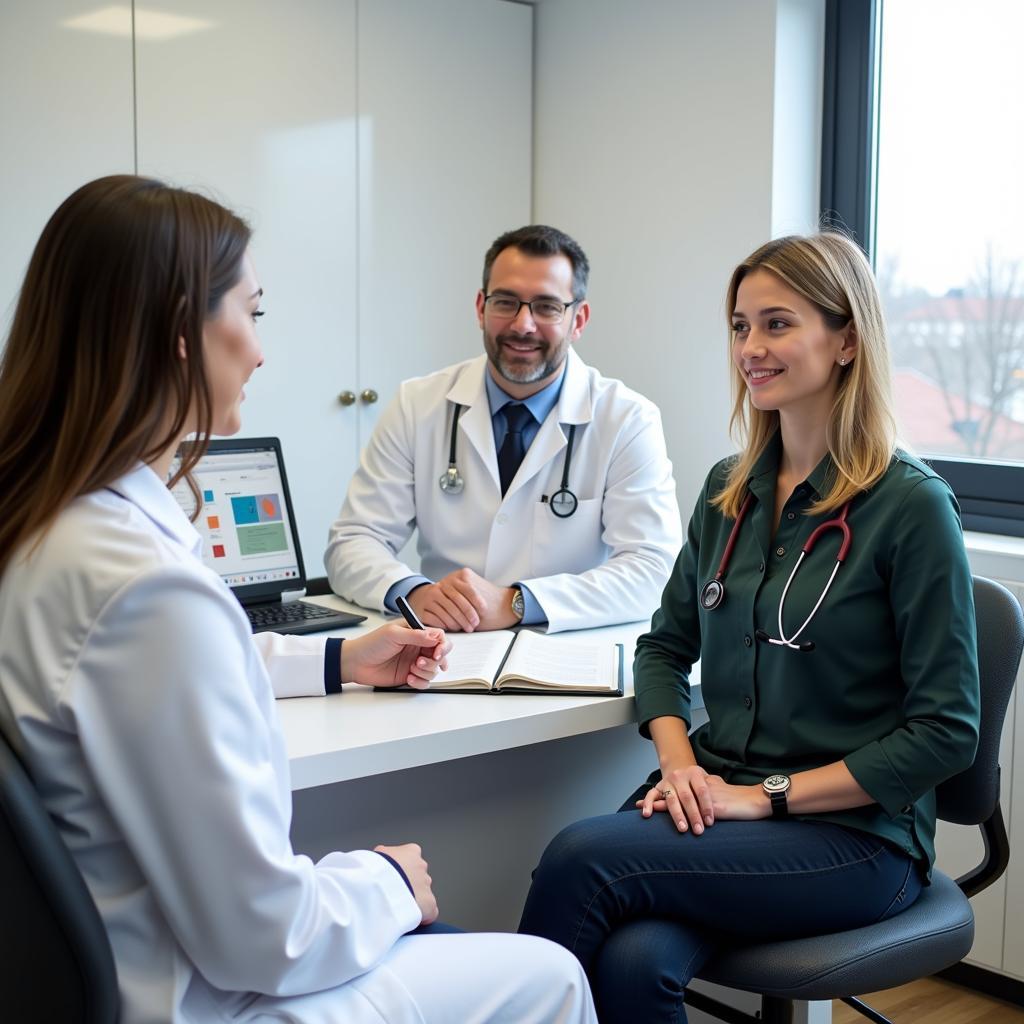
146, 715
607, 563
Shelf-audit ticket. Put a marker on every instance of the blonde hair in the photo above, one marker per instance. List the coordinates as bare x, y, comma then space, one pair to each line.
832, 273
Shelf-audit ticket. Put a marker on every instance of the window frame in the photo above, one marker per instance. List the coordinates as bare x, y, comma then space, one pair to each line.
991, 494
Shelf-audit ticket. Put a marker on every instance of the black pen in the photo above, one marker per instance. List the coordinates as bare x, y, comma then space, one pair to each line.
408, 614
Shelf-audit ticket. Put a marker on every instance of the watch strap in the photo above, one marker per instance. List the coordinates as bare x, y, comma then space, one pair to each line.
780, 804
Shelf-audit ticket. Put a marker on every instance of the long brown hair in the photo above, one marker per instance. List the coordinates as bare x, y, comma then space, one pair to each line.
92, 381
832, 273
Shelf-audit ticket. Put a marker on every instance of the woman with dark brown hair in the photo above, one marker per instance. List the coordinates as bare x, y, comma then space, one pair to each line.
130, 681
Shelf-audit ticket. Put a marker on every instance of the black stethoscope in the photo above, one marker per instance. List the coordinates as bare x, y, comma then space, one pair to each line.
563, 502
713, 592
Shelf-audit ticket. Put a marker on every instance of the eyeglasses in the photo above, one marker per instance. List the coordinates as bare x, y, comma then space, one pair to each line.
544, 311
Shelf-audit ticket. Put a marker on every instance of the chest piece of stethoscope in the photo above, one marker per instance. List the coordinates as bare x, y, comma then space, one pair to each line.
563, 503
451, 481
711, 594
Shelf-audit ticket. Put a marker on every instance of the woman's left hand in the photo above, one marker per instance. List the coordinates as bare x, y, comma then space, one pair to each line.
395, 655
728, 802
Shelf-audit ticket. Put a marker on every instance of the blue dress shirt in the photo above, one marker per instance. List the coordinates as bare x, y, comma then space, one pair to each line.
540, 405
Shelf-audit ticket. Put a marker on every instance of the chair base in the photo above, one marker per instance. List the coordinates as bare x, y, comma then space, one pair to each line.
867, 1011
773, 1010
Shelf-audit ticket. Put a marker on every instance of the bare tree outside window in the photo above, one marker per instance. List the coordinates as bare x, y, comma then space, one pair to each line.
959, 362
950, 227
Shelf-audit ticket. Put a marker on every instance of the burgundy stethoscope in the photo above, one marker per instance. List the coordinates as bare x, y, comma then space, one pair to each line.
713, 592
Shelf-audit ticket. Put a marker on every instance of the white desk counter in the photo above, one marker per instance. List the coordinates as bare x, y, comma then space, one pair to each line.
363, 732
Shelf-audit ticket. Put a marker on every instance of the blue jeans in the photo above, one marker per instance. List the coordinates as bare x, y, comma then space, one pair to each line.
644, 906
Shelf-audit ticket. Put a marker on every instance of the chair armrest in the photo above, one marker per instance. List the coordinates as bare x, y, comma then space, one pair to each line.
996, 859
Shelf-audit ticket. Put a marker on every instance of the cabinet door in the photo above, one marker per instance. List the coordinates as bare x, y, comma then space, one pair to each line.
445, 96
254, 102
65, 117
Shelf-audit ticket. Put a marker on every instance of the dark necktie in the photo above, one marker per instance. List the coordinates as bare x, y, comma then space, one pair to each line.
512, 448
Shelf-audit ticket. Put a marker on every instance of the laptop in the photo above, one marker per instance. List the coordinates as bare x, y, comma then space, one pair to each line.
250, 538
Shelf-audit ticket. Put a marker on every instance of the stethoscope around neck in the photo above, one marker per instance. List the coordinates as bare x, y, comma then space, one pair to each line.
713, 592
563, 502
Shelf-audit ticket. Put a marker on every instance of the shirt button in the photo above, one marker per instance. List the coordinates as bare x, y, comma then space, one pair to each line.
748, 703
760, 568
791, 515
780, 551
502, 519
747, 640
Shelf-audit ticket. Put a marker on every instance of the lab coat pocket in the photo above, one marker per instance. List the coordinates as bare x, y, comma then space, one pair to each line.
572, 544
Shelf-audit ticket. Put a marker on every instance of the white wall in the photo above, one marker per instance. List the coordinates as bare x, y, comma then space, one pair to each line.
670, 141
65, 117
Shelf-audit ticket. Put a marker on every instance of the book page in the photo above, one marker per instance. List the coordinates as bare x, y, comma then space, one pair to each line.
474, 657
563, 662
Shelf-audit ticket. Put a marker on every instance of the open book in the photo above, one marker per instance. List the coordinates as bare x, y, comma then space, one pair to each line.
526, 662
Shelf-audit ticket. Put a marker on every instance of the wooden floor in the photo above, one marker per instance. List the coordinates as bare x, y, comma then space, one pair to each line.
934, 1001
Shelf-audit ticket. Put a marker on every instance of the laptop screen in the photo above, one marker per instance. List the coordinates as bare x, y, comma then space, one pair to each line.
246, 521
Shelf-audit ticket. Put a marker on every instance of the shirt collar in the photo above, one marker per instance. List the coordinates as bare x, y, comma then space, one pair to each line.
144, 489
539, 404
767, 465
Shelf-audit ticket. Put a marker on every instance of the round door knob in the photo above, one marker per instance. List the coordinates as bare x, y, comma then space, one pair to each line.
347, 397
369, 396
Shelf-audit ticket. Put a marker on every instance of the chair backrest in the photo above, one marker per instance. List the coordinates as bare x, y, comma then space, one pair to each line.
971, 797
55, 958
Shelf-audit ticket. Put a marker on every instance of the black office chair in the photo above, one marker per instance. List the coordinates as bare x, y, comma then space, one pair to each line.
55, 958
937, 930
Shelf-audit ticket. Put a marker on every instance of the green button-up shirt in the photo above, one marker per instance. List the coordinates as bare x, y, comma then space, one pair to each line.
891, 685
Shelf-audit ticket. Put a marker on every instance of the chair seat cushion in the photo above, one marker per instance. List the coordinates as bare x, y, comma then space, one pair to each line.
936, 931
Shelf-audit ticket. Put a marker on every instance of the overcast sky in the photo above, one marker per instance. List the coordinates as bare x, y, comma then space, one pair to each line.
951, 138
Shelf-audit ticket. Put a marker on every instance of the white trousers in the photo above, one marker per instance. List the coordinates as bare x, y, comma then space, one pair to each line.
472, 978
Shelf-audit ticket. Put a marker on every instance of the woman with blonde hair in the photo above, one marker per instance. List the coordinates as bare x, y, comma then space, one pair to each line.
824, 587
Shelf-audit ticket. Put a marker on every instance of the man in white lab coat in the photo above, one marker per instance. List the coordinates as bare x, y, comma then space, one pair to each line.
542, 491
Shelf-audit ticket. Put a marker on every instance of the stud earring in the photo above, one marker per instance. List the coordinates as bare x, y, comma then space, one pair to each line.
842, 362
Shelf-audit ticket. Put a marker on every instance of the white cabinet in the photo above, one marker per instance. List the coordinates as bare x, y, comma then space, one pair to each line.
258, 106
351, 134
376, 146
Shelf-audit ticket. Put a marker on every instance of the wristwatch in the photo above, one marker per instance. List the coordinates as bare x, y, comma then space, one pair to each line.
776, 788
518, 603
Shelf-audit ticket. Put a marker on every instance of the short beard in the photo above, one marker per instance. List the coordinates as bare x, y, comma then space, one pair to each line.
525, 376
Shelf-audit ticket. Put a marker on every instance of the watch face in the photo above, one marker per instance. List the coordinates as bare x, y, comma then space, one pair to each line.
518, 603
776, 783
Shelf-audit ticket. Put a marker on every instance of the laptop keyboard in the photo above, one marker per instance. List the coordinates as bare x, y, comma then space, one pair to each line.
267, 616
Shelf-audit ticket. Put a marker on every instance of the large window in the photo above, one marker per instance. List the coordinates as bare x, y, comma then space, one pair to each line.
925, 160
